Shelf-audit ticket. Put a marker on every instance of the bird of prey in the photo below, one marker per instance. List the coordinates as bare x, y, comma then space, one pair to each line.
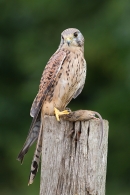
63, 79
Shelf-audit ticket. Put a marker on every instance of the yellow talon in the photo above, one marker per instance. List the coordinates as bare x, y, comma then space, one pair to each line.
58, 113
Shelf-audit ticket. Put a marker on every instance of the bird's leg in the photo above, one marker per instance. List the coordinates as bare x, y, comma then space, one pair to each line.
58, 113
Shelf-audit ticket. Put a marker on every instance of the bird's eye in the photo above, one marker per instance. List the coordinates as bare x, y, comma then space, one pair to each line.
62, 37
75, 34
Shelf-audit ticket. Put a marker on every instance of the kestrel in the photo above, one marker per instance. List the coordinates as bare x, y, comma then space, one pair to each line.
63, 79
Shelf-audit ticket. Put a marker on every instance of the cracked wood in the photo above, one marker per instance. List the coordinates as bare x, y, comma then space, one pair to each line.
72, 163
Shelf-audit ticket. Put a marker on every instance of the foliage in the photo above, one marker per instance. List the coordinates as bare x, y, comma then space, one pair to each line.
29, 35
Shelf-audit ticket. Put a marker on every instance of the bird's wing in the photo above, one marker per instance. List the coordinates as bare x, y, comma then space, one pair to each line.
47, 81
78, 91
48, 78
82, 81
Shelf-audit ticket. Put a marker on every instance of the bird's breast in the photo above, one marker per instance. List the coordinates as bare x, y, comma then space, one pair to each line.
69, 79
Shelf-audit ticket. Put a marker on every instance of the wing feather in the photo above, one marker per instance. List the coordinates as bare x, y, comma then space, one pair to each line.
48, 78
78, 91
82, 82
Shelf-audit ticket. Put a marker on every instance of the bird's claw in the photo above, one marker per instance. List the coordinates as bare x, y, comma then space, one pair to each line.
58, 113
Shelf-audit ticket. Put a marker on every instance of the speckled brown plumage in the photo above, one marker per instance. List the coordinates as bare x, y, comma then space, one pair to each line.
63, 79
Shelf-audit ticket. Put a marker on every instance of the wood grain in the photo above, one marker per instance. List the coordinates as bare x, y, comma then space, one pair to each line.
72, 161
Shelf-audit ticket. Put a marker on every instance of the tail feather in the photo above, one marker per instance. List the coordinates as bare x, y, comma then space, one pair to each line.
31, 138
36, 158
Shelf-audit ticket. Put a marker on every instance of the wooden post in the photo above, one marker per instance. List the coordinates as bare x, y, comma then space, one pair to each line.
71, 167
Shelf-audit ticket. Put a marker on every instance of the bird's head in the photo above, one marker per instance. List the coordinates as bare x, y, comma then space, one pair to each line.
72, 37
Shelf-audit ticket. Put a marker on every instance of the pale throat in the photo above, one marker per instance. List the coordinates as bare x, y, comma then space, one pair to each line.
72, 48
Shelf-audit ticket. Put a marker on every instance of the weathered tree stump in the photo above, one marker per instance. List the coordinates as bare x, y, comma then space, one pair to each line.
72, 161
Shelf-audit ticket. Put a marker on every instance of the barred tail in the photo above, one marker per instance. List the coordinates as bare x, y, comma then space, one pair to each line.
36, 157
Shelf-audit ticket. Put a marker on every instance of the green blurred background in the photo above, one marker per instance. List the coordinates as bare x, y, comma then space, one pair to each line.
29, 34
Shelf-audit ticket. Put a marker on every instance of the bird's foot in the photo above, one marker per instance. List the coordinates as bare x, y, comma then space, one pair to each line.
58, 113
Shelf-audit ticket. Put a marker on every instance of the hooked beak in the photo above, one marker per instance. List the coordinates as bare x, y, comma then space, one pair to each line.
68, 40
